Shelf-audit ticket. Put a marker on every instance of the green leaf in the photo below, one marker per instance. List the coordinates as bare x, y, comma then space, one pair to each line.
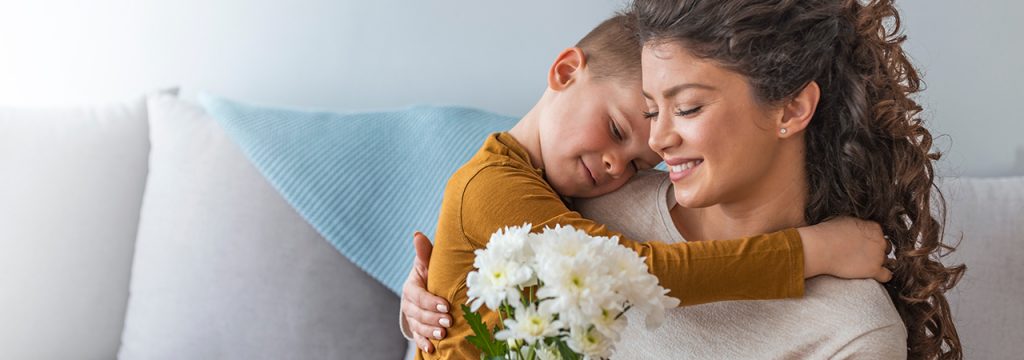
481, 338
567, 353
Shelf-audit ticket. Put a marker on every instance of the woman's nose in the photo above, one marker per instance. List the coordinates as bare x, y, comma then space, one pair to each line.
662, 136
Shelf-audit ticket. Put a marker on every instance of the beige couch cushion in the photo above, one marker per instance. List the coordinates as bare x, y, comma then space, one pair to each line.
226, 269
989, 214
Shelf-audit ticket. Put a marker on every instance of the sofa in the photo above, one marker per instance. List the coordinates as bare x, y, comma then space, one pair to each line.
139, 230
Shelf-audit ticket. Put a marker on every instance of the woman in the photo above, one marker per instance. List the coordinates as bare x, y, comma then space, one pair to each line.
757, 105
862, 151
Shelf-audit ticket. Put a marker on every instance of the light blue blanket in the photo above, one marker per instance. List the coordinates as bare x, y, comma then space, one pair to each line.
365, 181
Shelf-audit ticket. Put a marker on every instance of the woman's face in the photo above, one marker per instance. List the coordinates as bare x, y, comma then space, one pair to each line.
720, 143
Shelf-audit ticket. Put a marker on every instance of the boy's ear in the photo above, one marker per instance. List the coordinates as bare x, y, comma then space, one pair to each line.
797, 113
566, 69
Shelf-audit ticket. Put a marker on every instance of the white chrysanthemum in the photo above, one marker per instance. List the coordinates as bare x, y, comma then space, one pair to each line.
529, 324
513, 243
610, 320
653, 304
496, 280
561, 242
545, 352
586, 282
502, 268
574, 288
636, 284
589, 342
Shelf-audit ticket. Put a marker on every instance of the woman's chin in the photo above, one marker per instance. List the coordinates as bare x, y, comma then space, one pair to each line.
689, 199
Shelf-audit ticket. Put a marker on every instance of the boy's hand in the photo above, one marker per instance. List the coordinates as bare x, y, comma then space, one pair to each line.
426, 314
845, 247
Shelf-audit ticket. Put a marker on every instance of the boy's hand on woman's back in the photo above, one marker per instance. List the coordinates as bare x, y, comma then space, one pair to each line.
426, 314
845, 247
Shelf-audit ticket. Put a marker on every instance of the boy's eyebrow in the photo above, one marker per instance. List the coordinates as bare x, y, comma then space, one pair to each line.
672, 91
627, 127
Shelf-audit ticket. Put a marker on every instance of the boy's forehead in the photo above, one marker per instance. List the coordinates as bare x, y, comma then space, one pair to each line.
622, 97
629, 99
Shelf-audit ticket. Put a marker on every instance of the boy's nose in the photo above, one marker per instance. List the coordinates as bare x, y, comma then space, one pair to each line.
613, 165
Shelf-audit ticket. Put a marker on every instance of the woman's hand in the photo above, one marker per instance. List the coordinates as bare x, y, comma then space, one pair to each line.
845, 247
426, 314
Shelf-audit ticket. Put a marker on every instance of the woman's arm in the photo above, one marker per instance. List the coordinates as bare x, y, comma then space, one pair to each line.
423, 315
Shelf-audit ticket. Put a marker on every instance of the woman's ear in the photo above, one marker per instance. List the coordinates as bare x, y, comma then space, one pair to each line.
797, 113
566, 69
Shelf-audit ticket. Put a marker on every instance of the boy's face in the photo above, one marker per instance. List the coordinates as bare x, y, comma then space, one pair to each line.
594, 137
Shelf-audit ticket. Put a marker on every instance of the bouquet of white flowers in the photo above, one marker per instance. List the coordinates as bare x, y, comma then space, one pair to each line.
561, 294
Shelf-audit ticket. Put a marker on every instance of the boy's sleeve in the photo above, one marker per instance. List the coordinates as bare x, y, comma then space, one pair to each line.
762, 267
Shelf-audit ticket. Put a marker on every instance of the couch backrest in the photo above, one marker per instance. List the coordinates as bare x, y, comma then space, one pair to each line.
986, 217
71, 184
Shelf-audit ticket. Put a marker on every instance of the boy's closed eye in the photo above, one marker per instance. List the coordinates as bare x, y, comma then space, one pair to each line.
617, 133
620, 136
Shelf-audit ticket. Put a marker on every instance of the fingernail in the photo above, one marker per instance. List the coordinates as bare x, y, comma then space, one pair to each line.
445, 322
442, 308
425, 349
437, 334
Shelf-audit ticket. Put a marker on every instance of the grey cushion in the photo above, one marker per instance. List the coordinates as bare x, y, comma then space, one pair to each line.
989, 215
225, 269
71, 182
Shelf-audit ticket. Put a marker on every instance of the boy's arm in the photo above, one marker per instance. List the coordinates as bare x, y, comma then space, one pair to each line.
521, 198
764, 267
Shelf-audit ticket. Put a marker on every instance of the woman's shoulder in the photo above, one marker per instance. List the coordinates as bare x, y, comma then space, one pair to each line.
642, 188
863, 299
635, 209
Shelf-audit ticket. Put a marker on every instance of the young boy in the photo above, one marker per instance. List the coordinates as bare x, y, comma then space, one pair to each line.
587, 137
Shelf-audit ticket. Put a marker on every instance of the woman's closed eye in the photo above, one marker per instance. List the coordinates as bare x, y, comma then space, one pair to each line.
654, 114
689, 112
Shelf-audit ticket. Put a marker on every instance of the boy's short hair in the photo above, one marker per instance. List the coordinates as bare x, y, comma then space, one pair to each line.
612, 48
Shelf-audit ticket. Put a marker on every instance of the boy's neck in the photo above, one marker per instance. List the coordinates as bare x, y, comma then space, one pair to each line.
527, 133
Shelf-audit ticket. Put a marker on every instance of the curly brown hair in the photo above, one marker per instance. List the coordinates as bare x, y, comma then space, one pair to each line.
868, 153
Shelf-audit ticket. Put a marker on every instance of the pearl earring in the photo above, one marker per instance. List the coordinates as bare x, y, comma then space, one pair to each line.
782, 131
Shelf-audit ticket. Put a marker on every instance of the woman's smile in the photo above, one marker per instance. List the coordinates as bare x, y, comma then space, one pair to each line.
681, 168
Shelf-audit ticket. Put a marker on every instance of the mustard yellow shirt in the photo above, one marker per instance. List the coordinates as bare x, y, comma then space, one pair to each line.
500, 187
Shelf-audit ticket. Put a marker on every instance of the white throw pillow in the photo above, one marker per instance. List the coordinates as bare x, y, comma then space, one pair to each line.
226, 269
71, 184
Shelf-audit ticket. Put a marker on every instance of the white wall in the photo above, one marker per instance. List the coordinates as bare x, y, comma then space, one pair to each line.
349, 55
971, 54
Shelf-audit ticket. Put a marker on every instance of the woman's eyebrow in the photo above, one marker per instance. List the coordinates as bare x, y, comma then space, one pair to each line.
672, 91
